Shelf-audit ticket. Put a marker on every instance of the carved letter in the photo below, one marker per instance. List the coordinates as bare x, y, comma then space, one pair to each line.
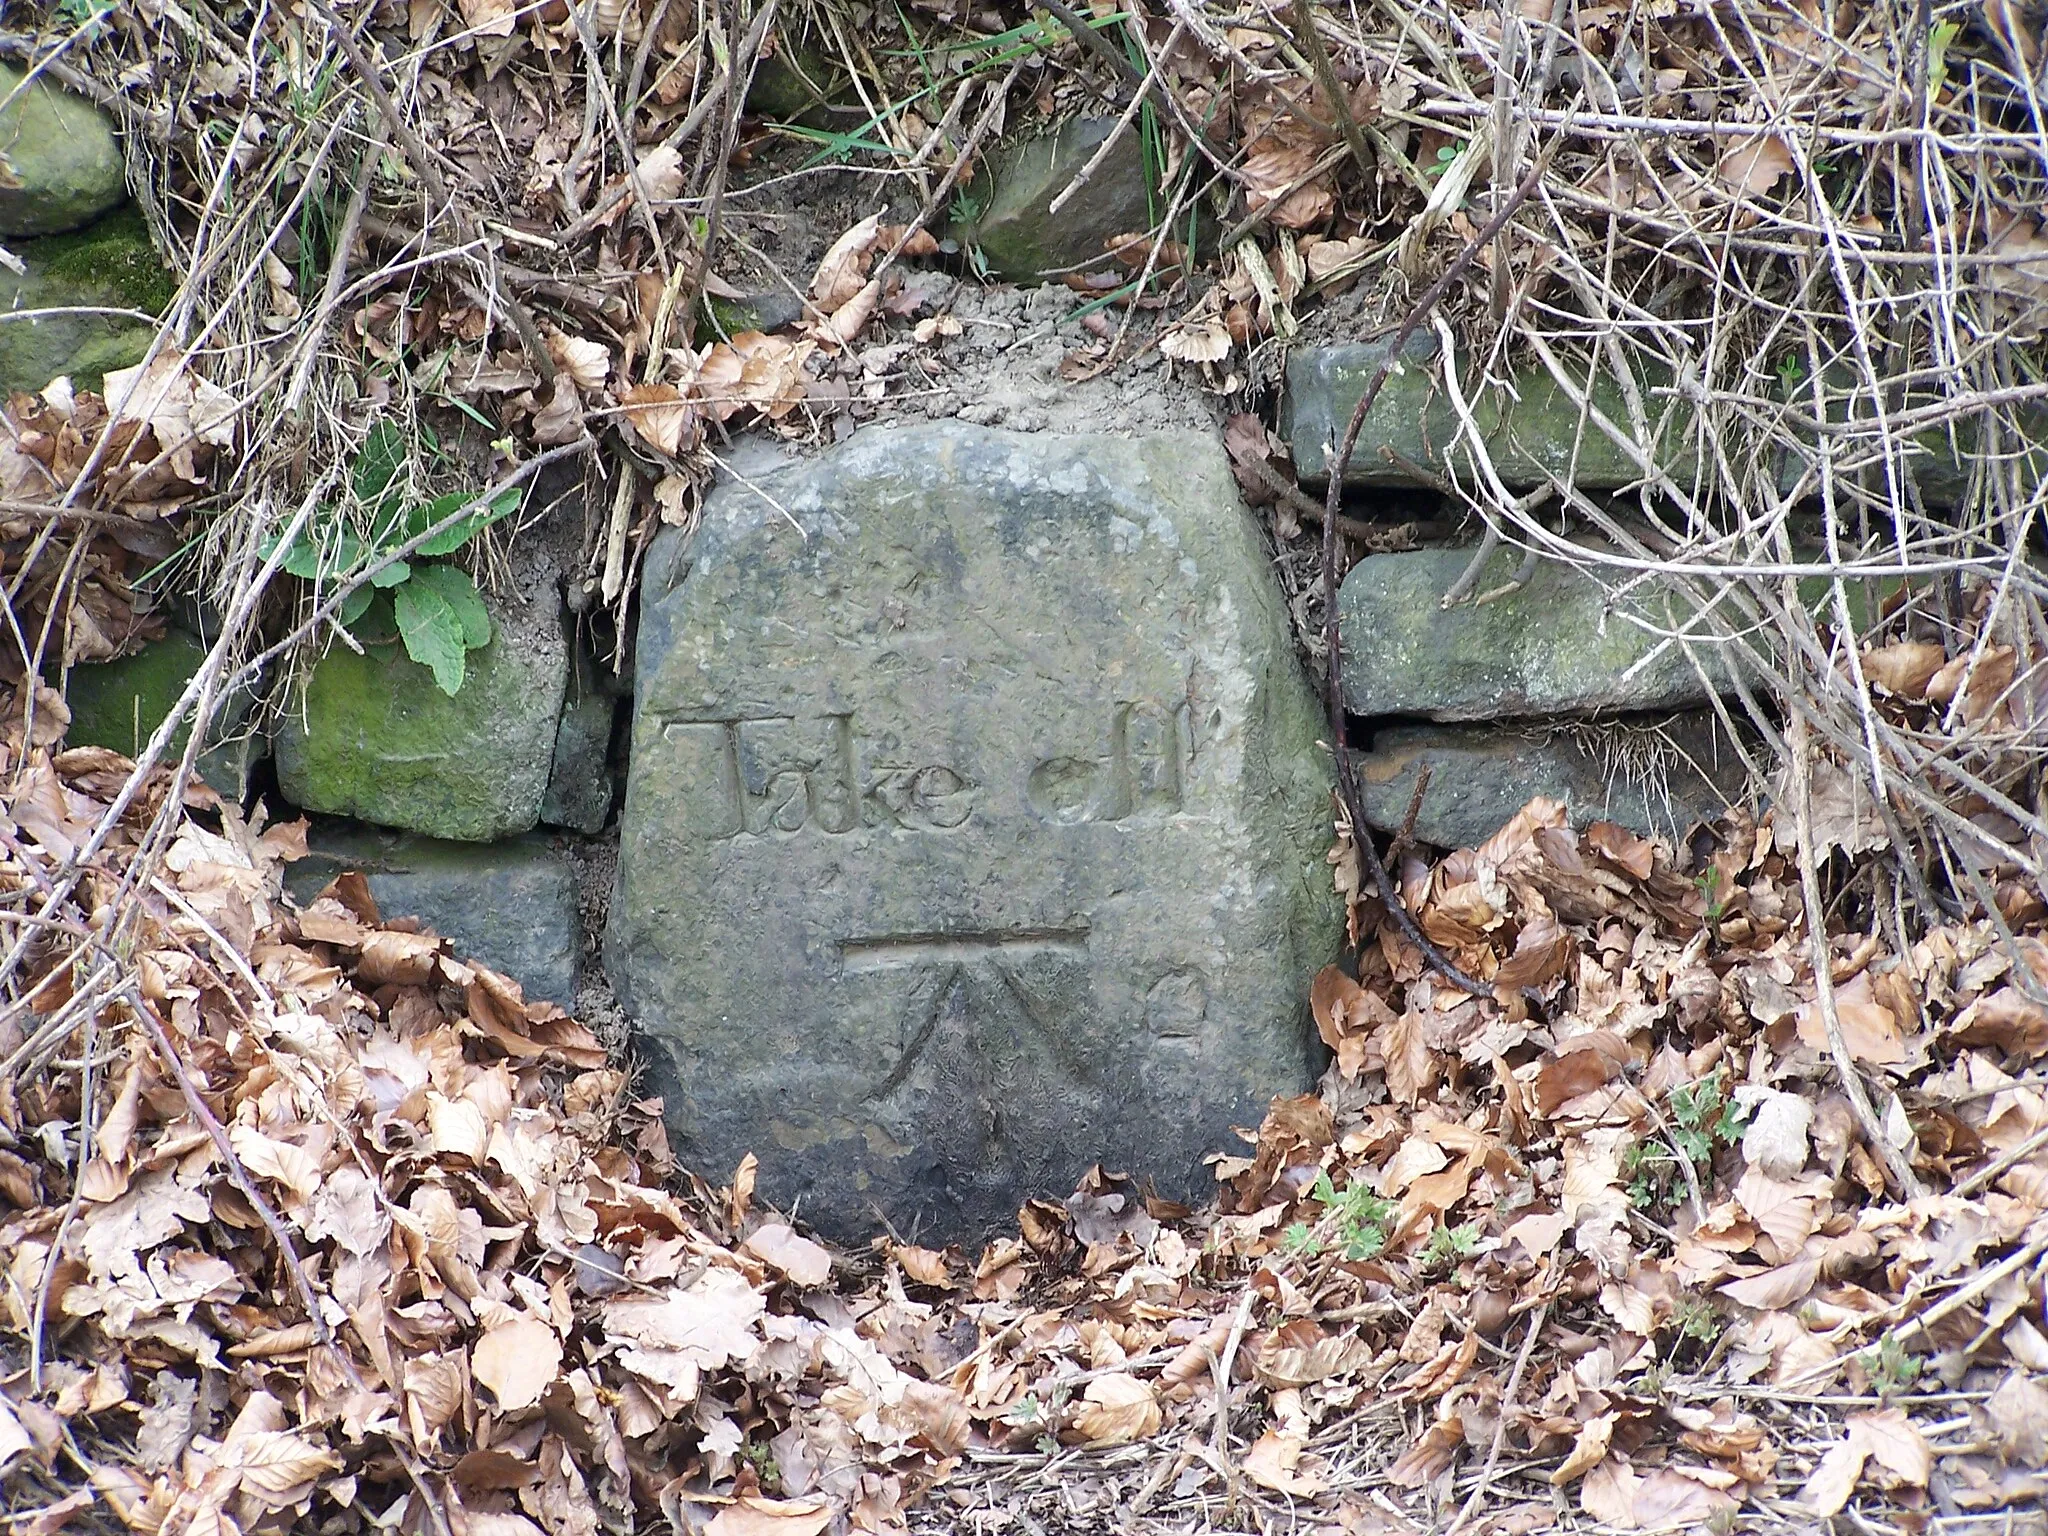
709, 765
1151, 739
777, 773
835, 797
940, 797
772, 771
1140, 772
1063, 788
916, 799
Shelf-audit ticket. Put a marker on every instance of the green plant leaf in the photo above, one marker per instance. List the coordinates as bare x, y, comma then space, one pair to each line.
387, 524
378, 462
324, 548
459, 533
432, 632
1939, 36
301, 560
453, 586
392, 575
356, 604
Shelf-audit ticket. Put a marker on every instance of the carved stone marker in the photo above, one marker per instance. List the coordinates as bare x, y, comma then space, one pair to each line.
975, 826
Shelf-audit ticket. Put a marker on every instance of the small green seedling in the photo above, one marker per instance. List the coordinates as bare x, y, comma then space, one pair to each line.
1695, 1318
1447, 1245
966, 206
1359, 1216
1939, 36
1444, 157
1708, 884
1889, 1366
437, 609
1706, 1119
83, 15
1703, 1120
760, 1455
1648, 1168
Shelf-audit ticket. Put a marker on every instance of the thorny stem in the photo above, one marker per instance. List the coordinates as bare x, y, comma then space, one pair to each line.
1094, 42
1895, 1160
88, 1127
423, 162
1500, 1428
209, 675
196, 1102
1333, 681
1222, 1365
1311, 44
961, 160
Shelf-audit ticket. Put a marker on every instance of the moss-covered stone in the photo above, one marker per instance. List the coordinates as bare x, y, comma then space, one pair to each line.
1550, 648
1533, 427
769, 311
580, 784
800, 82
1532, 431
1656, 776
113, 266
372, 736
119, 704
115, 252
1006, 212
1559, 645
61, 160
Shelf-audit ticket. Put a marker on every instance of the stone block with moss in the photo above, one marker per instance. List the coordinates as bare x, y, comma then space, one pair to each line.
800, 82
1656, 775
111, 270
1535, 431
1558, 645
1006, 214
581, 783
374, 737
62, 163
119, 704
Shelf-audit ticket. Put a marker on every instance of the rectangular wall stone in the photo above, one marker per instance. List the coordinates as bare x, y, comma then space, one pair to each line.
1535, 430
975, 825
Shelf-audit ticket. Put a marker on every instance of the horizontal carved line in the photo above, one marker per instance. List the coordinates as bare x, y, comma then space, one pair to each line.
893, 949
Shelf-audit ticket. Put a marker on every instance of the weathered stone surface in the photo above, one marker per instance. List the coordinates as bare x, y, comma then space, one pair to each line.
63, 163
802, 81
580, 785
975, 824
1532, 427
1550, 648
371, 736
1655, 779
111, 265
1531, 433
119, 704
766, 311
1012, 226
511, 905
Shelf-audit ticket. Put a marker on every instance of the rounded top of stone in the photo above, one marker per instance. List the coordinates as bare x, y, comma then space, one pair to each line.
1166, 487
63, 164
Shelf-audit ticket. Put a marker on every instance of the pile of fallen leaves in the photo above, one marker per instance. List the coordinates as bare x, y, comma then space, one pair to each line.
334, 1221
309, 1219
92, 485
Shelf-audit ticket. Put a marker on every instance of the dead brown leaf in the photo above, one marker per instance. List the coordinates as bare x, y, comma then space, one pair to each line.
1115, 1410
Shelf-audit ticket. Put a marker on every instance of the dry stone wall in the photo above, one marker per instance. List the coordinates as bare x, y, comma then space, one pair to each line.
968, 797
75, 247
